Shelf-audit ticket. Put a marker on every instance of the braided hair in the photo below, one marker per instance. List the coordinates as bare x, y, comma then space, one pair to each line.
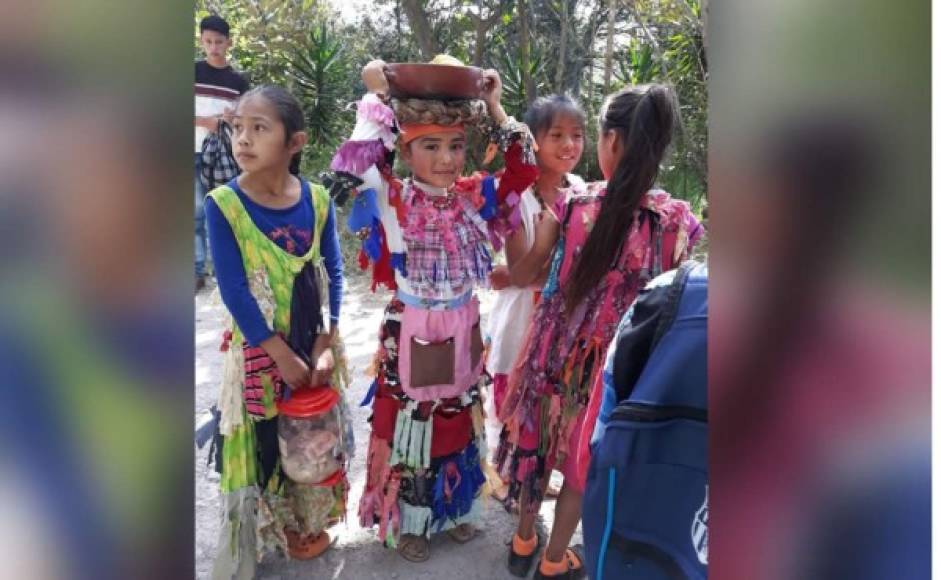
435, 112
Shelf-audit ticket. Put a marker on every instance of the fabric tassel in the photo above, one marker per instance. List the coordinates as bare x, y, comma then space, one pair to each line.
399, 439
412, 442
364, 211
525, 468
415, 520
398, 263
552, 283
237, 535
426, 445
306, 315
456, 486
543, 414
489, 190
372, 245
369, 394
231, 402
492, 479
389, 518
378, 472
356, 156
362, 259
370, 506
416, 440
382, 272
477, 418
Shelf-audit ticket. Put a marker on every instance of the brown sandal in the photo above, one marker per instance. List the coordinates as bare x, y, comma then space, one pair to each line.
509, 504
462, 533
414, 548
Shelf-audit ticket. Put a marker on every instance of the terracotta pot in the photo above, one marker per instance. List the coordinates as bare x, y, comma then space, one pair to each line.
433, 81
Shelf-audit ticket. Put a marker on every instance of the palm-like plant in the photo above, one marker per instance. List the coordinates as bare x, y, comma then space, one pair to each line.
320, 73
515, 99
637, 65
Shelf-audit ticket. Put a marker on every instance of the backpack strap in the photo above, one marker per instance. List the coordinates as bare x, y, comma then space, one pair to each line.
673, 301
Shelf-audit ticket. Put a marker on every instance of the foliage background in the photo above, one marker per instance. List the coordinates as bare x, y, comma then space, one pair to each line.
585, 48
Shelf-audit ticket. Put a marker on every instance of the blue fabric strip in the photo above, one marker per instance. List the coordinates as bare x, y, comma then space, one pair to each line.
369, 394
433, 303
489, 190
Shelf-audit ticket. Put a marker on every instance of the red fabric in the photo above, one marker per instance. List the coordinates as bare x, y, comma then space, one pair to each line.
450, 433
382, 271
469, 188
395, 191
384, 411
518, 175
582, 452
500, 381
363, 259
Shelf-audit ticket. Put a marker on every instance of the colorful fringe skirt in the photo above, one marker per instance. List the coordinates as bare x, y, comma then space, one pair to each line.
425, 468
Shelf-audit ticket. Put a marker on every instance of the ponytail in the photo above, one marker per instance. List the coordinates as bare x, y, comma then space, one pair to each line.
644, 118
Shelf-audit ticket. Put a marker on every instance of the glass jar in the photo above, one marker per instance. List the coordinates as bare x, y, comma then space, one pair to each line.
310, 435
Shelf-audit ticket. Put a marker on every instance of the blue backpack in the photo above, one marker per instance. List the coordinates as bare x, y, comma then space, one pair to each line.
645, 508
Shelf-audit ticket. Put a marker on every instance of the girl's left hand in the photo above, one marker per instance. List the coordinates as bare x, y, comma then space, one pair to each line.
323, 363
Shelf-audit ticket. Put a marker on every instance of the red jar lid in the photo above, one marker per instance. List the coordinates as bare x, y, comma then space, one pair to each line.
309, 402
330, 481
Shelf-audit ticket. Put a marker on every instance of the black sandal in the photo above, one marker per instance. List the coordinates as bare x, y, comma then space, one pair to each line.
520, 565
573, 572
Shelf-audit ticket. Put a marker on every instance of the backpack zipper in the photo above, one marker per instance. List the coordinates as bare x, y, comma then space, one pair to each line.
652, 413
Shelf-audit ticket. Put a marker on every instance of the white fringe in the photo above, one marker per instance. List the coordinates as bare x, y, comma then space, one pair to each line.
231, 402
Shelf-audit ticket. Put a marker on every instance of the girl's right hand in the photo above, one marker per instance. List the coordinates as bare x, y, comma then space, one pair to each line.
294, 371
374, 77
499, 278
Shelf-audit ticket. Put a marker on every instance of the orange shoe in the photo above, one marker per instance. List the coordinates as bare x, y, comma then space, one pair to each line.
306, 547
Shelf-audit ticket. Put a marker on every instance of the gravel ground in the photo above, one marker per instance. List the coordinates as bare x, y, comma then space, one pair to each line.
356, 552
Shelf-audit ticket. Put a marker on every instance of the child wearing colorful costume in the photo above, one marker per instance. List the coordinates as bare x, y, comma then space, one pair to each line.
558, 125
274, 242
429, 239
615, 237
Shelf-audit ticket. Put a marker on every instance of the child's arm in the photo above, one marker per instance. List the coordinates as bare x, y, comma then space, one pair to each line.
528, 267
238, 299
322, 355
212, 122
518, 146
333, 262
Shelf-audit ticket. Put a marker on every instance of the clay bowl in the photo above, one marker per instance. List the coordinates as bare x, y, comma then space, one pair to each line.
433, 81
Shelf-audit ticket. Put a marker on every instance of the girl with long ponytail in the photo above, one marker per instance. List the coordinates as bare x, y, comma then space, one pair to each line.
614, 237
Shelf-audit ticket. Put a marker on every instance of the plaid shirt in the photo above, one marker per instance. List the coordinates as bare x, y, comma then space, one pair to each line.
446, 247
218, 163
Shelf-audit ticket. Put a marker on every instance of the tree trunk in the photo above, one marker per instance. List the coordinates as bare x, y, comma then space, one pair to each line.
609, 48
704, 11
481, 36
529, 85
421, 28
591, 79
560, 71
482, 26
